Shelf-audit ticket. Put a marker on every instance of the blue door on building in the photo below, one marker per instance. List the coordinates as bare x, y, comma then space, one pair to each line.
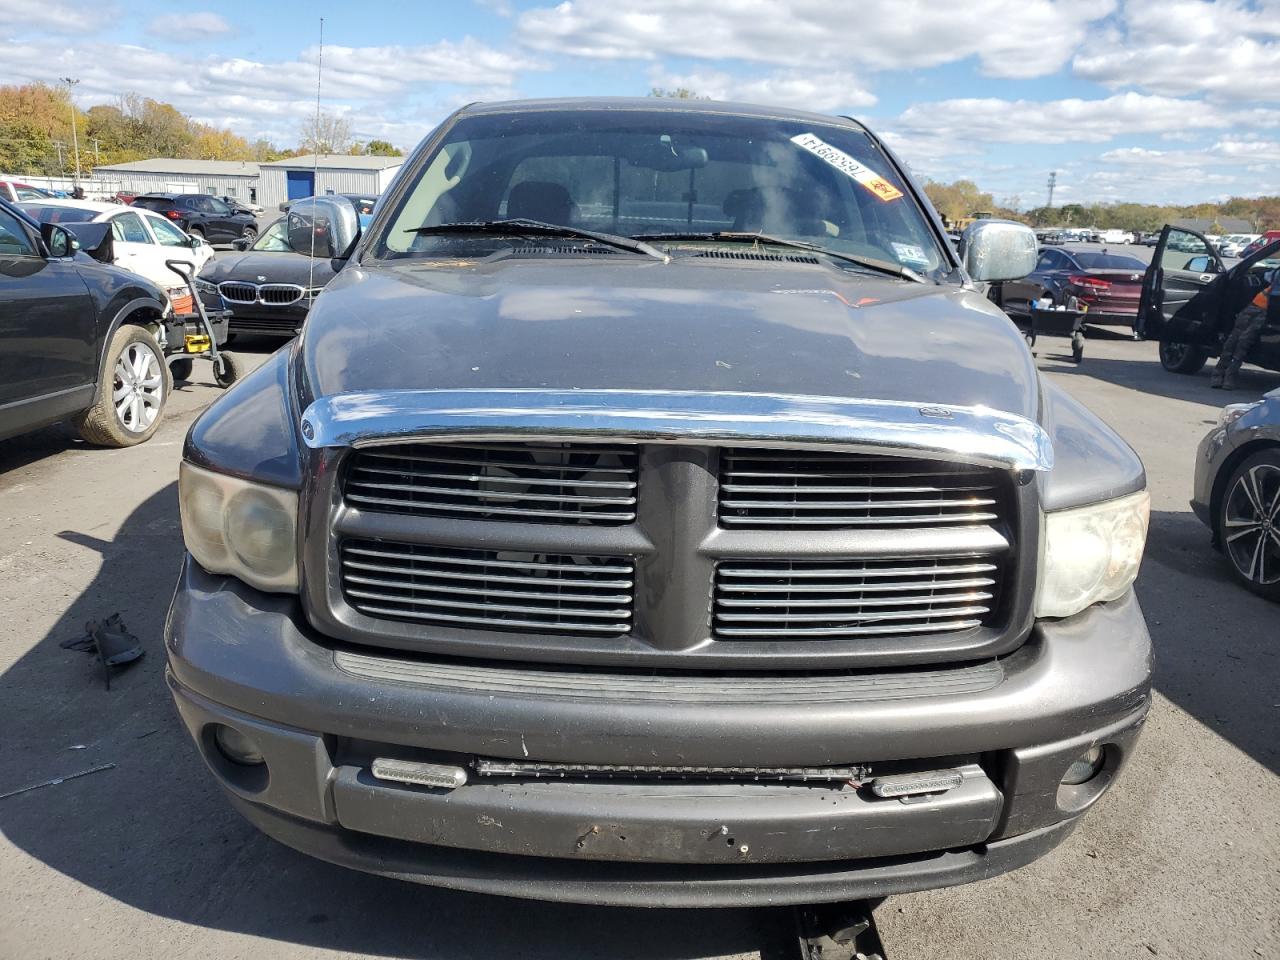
300, 183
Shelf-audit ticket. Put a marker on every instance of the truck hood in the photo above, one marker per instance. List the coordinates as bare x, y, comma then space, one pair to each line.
691, 324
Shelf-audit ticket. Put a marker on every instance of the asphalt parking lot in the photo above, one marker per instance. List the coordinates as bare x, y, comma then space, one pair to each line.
146, 860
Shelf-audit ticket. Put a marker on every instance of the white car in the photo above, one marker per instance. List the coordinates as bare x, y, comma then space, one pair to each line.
142, 240
1233, 243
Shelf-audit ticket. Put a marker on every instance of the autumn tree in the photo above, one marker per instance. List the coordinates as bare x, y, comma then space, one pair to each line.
326, 133
382, 148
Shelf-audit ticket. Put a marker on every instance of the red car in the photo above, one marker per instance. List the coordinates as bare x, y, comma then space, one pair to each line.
1271, 236
1109, 284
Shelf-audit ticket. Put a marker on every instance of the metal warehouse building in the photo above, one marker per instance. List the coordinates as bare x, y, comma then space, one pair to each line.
297, 177
221, 178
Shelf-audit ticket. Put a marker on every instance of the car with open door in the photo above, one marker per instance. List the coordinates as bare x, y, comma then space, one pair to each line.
1190, 300
80, 339
142, 240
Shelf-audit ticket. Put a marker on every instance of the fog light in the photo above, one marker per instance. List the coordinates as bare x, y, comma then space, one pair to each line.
236, 746
1085, 767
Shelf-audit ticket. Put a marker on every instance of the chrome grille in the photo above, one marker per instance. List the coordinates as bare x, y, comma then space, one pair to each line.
489, 589
280, 294
233, 291
816, 489
835, 598
269, 294
579, 483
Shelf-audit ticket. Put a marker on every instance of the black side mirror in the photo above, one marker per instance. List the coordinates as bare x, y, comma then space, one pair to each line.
58, 240
240, 243
194, 242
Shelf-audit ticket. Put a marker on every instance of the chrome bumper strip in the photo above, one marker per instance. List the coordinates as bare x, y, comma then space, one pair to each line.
968, 434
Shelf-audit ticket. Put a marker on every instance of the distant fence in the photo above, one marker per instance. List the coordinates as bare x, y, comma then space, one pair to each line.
94, 188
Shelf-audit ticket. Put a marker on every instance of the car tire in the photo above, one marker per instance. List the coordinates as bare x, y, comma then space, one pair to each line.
250, 233
131, 398
181, 369
196, 231
1248, 523
1182, 357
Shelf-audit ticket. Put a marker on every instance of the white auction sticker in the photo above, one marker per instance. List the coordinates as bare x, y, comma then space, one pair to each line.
910, 253
877, 184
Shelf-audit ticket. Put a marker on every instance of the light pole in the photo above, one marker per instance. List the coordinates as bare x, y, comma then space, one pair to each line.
75, 140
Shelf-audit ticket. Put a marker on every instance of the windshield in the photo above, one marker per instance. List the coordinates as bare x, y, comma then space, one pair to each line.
648, 173
1108, 261
53, 213
274, 239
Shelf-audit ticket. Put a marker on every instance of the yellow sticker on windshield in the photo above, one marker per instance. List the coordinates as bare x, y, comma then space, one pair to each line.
877, 184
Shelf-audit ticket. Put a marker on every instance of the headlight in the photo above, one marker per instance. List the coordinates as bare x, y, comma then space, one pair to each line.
1234, 411
248, 530
1091, 554
204, 286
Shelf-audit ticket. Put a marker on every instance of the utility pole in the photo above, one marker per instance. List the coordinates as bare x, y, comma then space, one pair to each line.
97, 157
1053, 182
75, 140
62, 167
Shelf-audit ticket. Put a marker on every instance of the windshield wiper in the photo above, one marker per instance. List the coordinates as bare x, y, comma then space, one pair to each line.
729, 236
521, 227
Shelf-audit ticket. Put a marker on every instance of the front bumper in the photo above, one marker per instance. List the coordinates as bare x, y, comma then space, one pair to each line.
318, 714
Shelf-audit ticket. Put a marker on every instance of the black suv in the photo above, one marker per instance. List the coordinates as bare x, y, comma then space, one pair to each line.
78, 338
201, 215
655, 512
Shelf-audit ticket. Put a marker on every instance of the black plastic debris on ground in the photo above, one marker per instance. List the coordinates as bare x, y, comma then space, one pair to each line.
111, 641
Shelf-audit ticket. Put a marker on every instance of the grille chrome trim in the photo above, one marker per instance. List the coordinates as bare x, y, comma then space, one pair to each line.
419, 586
969, 434
244, 293
756, 599
568, 483
790, 488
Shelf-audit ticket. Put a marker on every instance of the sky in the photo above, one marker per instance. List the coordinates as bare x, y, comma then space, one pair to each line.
1159, 101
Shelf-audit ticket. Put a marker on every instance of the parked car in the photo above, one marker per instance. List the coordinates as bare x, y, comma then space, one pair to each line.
1149, 239
1115, 236
1237, 491
1234, 244
1190, 300
142, 240
13, 191
651, 502
201, 215
243, 206
268, 287
1268, 238
78, 338
1109, 284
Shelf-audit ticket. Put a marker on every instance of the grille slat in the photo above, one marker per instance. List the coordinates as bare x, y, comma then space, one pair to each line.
563, 483
817, 489
820, 599
473, 588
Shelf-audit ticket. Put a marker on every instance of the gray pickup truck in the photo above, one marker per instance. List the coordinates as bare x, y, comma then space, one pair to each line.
654, 512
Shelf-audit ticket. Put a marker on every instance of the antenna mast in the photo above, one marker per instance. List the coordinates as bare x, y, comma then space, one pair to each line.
315, 173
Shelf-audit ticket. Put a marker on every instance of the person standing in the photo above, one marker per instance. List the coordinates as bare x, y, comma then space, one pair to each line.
1244, 334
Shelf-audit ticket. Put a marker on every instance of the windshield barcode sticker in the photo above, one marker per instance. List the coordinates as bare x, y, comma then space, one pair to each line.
877, 184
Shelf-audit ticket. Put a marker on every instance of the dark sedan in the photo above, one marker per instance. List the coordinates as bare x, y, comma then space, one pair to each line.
201, 215
1110, 285
268, 287
1237, 491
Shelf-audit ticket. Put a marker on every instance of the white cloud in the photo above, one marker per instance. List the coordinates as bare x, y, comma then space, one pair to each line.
1030, 38
202, 24
1073, 120
54, 16
1230, 49
824, 92
256, 98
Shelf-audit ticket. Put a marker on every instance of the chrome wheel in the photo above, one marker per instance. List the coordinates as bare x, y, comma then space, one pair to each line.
1251, 524
138, 388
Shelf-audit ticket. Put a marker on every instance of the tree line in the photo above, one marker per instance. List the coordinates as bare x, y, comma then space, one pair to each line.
36, 134
963, 198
